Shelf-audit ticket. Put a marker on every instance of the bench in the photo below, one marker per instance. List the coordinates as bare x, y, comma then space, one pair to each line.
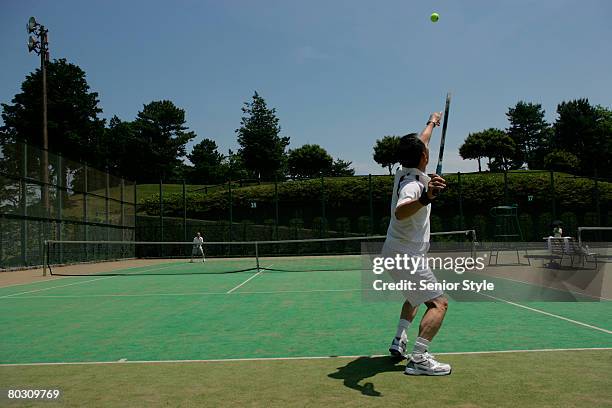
562, 247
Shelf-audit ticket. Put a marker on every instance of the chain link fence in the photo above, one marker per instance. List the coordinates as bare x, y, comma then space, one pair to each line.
76, 203
327, 207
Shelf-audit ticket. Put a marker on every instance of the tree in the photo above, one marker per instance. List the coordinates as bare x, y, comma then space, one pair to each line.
604, 137
73, 124
492, 143
232, 168
500, 148
560, 160
206, 162
585, 131
474, 148
122, 147
385, 152
341, 168
309, 161
530, 132
161, 129
262, 150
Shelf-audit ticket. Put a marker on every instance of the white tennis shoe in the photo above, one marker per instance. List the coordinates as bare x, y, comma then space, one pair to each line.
426, 364
398, 347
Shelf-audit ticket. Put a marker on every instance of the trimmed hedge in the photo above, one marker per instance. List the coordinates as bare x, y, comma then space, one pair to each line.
346, 201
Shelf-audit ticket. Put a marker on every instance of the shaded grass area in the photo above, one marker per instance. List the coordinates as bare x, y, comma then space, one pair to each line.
547, 379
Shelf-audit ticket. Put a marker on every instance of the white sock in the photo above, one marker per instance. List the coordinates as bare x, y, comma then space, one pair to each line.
402, 328
421, 345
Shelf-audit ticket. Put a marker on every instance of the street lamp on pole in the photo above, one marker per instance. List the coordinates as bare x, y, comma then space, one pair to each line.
39, 43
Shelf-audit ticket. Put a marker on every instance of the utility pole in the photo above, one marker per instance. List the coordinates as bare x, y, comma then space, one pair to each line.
39, 43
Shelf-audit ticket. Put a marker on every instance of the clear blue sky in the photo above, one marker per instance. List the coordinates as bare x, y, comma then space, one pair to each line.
340, 73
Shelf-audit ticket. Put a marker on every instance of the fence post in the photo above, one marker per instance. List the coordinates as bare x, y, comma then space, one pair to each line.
85, 211
231, 215
323, 219
59, 202
461, 220
596, 198
553, 194
276, 221
161, 209
107, 208
24, 206
184, 210
506, 200
136, 237
122, 198
371, 205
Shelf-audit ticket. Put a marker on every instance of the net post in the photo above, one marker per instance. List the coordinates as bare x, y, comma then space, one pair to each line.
257, 254
45, 258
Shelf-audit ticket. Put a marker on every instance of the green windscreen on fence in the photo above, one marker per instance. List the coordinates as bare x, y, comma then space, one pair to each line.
76, 203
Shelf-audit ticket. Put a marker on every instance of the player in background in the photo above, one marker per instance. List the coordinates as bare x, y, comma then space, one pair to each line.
197, 250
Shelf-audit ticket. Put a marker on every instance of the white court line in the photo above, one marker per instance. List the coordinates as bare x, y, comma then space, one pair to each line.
236, 287
191, 293
75, 283
54, 287
306, 291
548, 314
127, 295
53, 277
230, 360
542, 286
252, 277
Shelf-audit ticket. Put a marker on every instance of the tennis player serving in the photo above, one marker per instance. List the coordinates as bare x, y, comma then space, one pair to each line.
408, 233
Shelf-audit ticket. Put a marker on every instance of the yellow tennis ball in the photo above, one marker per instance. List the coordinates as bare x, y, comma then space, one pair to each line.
434, 17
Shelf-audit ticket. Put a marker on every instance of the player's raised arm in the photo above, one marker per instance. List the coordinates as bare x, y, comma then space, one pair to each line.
434, 120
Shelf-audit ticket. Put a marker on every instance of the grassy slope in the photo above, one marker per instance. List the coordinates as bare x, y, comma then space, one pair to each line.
524, 178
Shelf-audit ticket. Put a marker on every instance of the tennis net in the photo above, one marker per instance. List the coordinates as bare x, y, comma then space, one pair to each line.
79, 258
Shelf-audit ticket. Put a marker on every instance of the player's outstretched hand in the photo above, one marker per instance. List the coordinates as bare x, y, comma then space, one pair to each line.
435, 118
435, 185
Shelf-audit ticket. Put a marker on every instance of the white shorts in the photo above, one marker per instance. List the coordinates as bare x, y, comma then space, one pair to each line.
197, 250
419, 277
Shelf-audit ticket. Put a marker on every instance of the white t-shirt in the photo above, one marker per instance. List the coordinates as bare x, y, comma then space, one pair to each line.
198, 241
413, 231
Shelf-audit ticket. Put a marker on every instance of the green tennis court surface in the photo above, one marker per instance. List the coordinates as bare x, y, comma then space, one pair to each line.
262, 315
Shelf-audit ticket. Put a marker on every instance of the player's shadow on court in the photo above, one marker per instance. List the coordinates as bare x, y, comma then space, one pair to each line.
366, 367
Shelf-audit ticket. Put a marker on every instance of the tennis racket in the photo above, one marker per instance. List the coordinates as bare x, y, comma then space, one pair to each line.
442, 140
